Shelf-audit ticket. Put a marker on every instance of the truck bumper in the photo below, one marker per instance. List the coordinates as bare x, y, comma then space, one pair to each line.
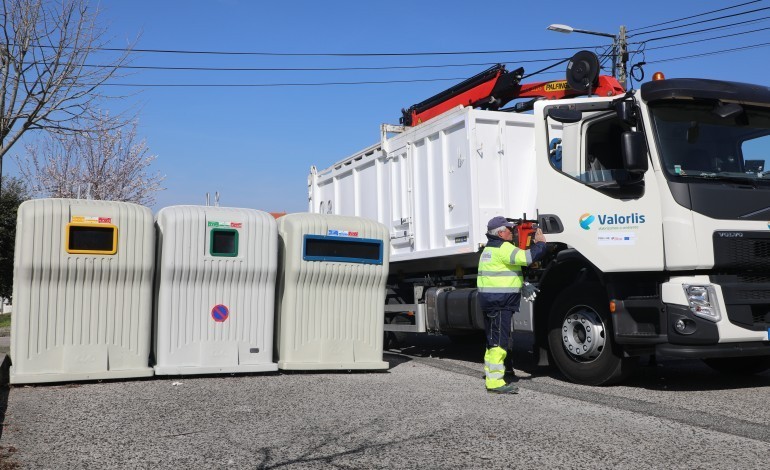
756, 348
648, 325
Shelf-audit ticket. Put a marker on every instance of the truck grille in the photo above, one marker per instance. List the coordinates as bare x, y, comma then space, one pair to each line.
760, 316
747, 299
742, 250
751, 278
753, 295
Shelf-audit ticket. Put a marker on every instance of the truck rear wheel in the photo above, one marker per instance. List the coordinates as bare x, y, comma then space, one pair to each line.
739, 365
579, 337
394, 339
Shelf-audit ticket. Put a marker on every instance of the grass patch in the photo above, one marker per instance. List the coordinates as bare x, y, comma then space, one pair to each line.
5, 320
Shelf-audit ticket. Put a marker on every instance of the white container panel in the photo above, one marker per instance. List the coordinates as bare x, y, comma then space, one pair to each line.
330, 313
458, 172
521, 182
215, 311
383, 201
81, 316
346, 193
322, 196
421, 159
399, 223
491, 178
366, 190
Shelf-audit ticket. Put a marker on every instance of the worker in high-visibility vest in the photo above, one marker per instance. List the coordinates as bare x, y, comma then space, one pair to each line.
501, 287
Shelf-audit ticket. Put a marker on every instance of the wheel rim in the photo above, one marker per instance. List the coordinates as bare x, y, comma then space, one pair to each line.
583, 334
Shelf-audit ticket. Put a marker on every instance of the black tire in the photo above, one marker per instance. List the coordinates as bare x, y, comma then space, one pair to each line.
739, 365
582, 312
394, 339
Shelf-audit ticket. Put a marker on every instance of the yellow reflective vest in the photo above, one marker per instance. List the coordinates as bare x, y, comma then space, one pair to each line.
499, 276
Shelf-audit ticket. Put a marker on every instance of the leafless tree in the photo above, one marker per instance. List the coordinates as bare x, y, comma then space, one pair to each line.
45, 82
105, 163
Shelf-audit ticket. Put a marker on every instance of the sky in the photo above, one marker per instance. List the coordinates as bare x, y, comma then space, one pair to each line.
254, 145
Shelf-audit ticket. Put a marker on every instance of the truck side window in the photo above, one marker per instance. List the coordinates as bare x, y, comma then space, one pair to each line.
593, 155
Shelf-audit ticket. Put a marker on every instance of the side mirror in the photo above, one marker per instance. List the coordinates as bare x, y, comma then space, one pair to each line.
626, 112
634, 150
564, 115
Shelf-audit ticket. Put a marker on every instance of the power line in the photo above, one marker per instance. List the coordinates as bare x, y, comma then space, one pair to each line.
332, 54
310, 69
268, 85
258, 85
382, 82
695, 16
708, 39
701, 22
546, 68
703, 30
724, 51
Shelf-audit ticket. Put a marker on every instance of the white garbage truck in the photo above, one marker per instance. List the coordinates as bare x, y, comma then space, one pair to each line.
655, 203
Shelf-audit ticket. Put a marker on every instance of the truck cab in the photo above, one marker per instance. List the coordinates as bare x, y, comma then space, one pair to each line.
658, 211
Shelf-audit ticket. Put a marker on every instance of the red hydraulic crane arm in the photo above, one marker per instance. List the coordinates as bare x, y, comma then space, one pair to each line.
606, 86
466, 93
495, 87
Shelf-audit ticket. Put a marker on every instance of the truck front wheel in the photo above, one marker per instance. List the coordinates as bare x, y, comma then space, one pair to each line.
579, 337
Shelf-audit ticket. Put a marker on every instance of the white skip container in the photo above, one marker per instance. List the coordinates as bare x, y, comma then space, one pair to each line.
82, 291
436, 185
331, 292
215, 288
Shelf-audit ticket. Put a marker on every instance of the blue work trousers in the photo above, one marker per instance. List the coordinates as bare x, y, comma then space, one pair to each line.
498, 326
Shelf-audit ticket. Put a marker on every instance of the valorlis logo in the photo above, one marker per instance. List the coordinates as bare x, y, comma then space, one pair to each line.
611, 219
586, 220
616, 219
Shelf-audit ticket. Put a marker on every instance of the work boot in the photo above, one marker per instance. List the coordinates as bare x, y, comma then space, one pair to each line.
507, 388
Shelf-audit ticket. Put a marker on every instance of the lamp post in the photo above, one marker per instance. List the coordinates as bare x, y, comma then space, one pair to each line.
619, 52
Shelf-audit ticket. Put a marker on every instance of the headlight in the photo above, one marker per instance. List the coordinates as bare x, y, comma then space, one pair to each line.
703, 301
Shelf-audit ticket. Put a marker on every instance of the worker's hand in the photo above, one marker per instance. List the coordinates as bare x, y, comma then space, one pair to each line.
539, 237
529, 292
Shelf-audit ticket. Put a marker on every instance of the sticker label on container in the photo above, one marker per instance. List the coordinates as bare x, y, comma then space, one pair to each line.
79, 219
216, 224
341, 233
220, 313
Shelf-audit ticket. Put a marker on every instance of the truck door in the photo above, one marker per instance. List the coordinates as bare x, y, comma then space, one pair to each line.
587, 200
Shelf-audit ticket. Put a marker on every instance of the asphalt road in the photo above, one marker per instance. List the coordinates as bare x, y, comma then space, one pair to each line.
429, 410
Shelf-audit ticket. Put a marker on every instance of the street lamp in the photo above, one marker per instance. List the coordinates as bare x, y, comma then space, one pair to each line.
563, 28
618, 45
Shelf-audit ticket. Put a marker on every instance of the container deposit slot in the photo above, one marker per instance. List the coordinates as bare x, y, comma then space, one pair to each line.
92, 239
342, 249
224, 242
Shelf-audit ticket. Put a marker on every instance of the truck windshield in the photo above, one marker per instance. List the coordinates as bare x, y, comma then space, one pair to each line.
704, 140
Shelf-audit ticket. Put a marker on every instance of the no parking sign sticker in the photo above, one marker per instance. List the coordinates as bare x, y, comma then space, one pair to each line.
220, 313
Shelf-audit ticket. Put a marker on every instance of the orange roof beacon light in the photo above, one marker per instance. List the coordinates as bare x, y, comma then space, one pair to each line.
658, 76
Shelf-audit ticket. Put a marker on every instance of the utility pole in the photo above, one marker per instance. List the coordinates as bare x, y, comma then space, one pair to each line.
621, 57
